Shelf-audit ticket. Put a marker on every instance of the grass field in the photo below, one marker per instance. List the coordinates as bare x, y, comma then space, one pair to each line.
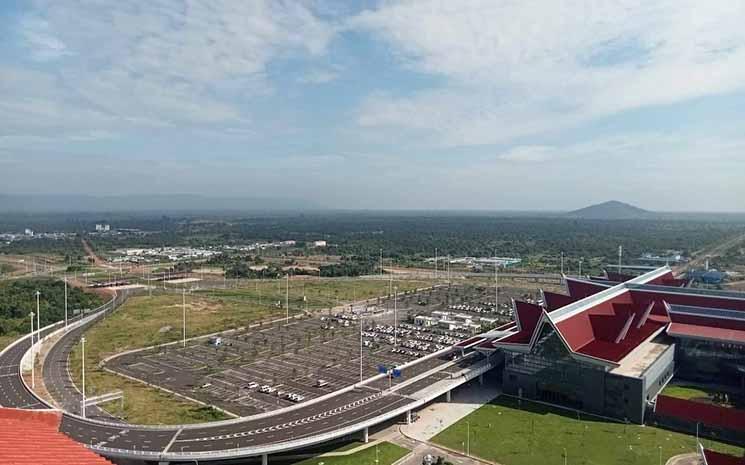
318, 293
145, 321
537, 434
386, 454
684, 392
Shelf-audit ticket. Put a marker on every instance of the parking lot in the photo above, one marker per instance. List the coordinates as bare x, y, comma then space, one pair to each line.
279, 364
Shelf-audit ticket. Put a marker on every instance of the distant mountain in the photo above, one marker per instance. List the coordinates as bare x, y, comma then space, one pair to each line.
611, 210
130, 203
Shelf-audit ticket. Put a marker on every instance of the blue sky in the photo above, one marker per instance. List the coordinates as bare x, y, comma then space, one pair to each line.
474, 104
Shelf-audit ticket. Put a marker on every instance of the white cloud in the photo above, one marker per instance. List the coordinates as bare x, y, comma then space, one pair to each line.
155, 63
513, 68
529, 154
41, 41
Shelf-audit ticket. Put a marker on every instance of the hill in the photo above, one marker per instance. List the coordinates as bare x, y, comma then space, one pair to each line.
611, 210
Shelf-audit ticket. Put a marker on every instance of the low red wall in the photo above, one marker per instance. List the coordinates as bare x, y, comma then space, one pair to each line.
715, 458
710, 415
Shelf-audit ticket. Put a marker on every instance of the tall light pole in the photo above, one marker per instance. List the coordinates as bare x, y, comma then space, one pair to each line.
82, 345
581, 259
620, 257
287, 297
562, 263
65, 303
435, 264
361, 343
496, 282
395, 316
33, 355
381, 263
565, 456
184, 316
448, 269
38, 320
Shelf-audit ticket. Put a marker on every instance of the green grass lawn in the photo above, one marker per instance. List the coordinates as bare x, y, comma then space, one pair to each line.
536, 434
684, 392
319, 294
7, 339
387, 454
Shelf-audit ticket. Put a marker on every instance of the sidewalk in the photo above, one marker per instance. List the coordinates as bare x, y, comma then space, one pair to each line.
435, 418
438, 416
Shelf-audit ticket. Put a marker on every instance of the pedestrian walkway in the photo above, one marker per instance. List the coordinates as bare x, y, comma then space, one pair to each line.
438, 416
435, 418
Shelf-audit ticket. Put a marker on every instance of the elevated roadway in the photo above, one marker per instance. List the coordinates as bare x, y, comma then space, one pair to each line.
349, 411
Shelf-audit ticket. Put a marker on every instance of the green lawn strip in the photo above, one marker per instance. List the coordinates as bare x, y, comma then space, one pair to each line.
7, 339
684, 392
537, 434
387, 453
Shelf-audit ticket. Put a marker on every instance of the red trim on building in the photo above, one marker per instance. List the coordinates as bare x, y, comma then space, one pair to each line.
707, 414
716, 458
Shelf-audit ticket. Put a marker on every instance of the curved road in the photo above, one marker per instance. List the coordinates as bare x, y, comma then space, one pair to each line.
306, 424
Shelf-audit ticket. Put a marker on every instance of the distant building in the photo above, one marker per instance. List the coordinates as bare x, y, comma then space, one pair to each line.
319, 244
103, 227
712, 277
28, 232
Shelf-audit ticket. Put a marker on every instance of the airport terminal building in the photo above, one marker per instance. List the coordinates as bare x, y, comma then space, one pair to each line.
609, 347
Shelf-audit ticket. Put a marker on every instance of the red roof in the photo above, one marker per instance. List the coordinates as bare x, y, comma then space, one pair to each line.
580, 289
706, 332
609, 326
610, 329
527, 317
555, 301
33, 438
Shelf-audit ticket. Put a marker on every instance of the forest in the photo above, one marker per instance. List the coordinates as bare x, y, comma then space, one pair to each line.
17, 301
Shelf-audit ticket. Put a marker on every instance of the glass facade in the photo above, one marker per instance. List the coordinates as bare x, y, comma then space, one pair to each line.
711, 362
554, 376
550, 374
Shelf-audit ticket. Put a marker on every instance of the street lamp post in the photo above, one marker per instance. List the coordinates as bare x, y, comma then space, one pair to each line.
38, 320
562, 263
581, 259
65, 303
361, 343
287, 297
496, 283
82, 345
33, 355
395, 316
184, 316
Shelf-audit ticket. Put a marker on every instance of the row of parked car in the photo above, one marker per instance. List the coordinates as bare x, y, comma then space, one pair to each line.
266, 389
436, 331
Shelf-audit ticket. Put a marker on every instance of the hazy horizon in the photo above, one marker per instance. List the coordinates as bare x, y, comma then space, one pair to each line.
378, 105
